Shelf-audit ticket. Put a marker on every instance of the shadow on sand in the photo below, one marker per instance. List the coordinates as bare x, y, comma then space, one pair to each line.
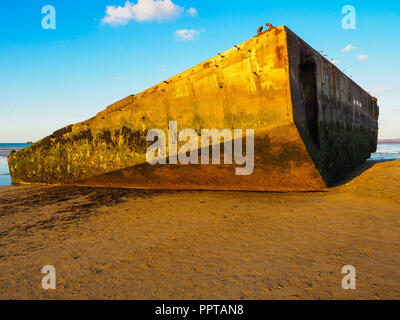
359, 171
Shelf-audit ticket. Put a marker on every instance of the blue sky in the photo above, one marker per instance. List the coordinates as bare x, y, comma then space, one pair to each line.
51, 78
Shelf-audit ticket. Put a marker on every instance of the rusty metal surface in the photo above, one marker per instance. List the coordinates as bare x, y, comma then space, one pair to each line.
260, 29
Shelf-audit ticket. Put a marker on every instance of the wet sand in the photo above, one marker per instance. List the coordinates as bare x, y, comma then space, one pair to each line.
133, 244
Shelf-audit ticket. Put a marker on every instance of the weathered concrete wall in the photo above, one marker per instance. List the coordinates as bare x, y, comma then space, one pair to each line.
343, 115
246, 87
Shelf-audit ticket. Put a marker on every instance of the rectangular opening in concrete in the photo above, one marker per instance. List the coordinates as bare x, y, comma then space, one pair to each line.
309, 88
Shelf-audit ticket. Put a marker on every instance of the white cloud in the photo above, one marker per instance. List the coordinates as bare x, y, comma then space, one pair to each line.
362, 57
378, 90
142, 11
118, 15
334, 61
187, 35
349, 47
192, 12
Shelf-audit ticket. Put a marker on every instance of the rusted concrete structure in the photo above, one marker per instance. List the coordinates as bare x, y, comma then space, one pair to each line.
312, 125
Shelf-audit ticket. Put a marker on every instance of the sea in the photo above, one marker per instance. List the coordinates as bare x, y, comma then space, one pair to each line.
387, 150
5, 150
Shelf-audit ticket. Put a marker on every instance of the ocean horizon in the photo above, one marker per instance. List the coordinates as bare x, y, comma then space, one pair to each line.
388, 149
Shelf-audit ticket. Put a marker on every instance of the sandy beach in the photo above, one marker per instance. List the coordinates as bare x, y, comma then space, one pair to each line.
133, 244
